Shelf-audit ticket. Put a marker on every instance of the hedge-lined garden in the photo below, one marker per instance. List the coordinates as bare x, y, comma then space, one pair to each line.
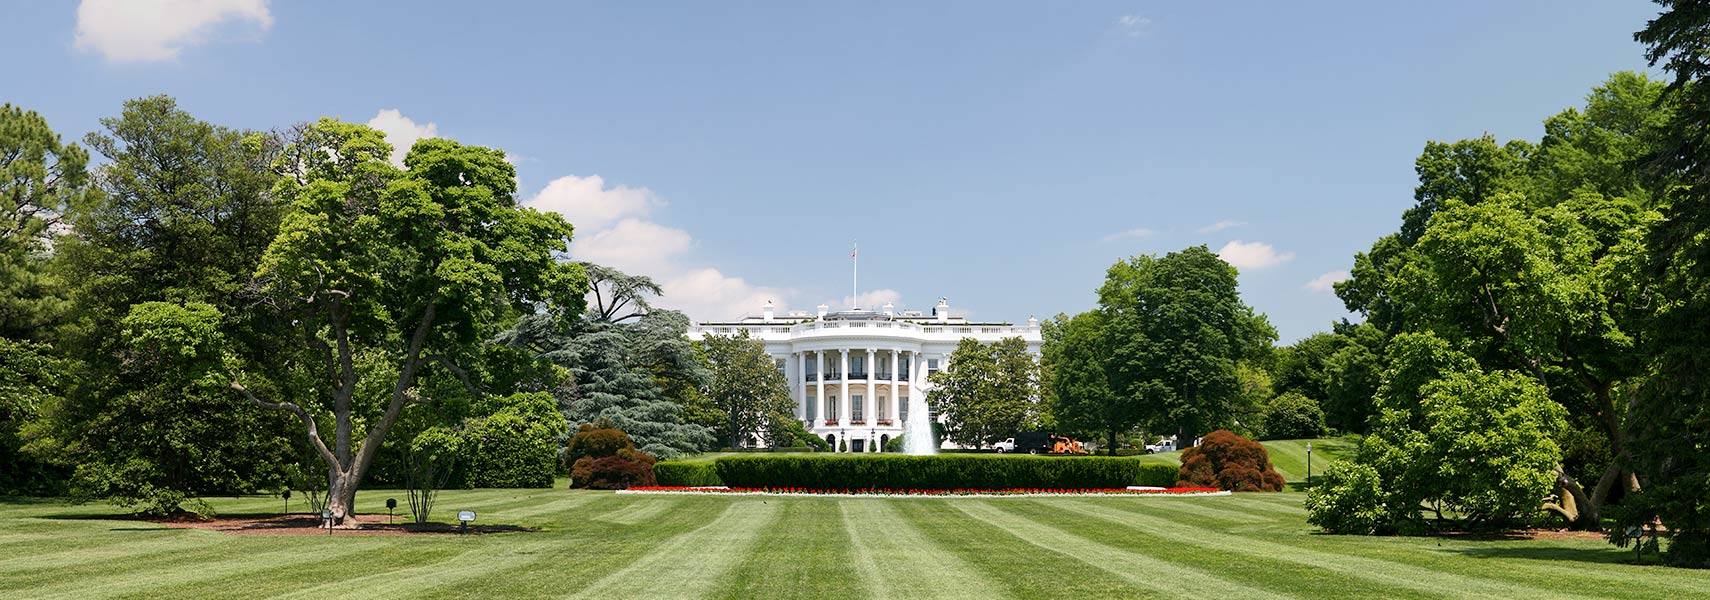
950, 471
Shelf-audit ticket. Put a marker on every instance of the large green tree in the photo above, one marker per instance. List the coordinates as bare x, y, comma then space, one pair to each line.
1671, 425
183, 214
987, 392
406, 270
1178, 330
1082, 395
748, 388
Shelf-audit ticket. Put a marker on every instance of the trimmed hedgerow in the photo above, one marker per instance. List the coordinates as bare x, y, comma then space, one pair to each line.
1157, 475
942, 472
689, 474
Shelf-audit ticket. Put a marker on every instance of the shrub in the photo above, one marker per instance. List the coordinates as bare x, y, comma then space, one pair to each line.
1349, 500
619, 471
954, 471
1292, 416
1231, 462
1156, 475
597, 440
516, 447
691, 474
605, 459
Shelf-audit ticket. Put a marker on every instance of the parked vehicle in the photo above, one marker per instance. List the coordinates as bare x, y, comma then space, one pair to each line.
1164, 445
1039, 442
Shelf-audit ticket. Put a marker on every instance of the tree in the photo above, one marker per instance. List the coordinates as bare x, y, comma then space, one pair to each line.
1671, 422
1181, 329
748, 388
182, 215
1082, 395
408, 269
1467, 444
987, 392
1292, 416
41, 181
1230, 462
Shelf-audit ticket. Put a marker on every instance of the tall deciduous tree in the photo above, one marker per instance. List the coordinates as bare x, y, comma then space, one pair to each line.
1083, 396
748, 388
1180, 328
987, 392
409, 269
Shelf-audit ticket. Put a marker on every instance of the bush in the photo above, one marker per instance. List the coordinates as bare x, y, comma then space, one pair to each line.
691, 474
956, 471
605, 459
516, 447
619, 471
1156, 475
1227, 461
1349, 500
1292, 416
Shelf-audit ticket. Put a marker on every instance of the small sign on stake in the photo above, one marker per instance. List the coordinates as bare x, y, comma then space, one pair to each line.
464, 517
326, 515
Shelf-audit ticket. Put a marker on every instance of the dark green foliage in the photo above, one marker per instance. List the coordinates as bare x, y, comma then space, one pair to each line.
748, 389
942, 472
516, 447
692, 474
1292, 416
29, 383
597, 440
1157, 475
1227, 461
987, 392
1349, 500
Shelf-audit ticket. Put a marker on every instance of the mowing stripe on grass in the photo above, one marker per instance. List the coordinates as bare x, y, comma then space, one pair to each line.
1371, 569
191, 572
408, 582
554, 507
638, 512
694, 559
85, 553
1206, 510
1292, 505
1166, 577
886, 550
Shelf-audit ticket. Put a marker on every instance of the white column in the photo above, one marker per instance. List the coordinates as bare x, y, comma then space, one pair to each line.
801, 386
819, 367
895, 404
843, 415
871, 395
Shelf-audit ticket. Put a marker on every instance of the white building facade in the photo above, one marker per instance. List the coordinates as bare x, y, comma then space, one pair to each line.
852, 373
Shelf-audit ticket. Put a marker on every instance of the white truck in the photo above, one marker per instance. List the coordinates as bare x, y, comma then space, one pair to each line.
1164, 445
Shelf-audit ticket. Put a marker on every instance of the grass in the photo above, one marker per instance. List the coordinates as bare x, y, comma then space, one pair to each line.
602, 545
1288, 457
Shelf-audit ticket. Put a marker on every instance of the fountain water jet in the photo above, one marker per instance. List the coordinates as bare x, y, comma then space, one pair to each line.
917, 438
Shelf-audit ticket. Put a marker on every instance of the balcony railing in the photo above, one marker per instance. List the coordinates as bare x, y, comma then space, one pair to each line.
833, 376
813, 377
858, 375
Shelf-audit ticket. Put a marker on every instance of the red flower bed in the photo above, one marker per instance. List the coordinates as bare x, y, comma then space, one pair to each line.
923, 492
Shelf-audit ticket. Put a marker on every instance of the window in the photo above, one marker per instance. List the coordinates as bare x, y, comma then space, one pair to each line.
883, 409
857, 367
902, 408
831, 408
854, 407
902, 367
812, 408
931, 366
780, 362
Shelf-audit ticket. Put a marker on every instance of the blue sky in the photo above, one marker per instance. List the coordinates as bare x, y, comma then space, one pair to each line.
1002, 154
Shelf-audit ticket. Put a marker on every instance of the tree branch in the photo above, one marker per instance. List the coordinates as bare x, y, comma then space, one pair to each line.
308, 421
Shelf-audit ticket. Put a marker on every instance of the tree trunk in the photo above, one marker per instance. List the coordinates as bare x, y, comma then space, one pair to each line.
1112, 450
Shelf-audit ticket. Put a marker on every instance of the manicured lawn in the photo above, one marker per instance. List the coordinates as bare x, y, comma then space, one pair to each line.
604, 545
1287, 456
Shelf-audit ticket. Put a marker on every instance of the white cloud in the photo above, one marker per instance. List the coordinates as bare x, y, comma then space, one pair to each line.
589, 205
401, 131
611, 230
1252, 256
1326, 282
1133, 25
156, 30
1220, 226
1138, 232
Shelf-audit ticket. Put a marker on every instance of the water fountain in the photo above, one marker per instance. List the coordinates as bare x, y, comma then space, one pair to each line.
917, 438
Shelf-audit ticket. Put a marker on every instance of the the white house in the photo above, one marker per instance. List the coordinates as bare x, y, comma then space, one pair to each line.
853, 372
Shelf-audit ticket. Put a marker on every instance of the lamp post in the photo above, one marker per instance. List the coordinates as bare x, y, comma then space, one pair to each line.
1309, 464
287, 495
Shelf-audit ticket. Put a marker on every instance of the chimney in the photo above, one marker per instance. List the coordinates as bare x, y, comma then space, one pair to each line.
1032, 321
942, 310
766, 311
822, 310
890, 310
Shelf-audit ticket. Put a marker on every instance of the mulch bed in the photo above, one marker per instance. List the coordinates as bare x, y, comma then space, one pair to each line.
313, 525
1523, 534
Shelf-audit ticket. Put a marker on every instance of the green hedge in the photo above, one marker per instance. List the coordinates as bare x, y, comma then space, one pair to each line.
952, 471
1158, 475
693, 474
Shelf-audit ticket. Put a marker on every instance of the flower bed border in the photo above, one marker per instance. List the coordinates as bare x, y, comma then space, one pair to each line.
961, 493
